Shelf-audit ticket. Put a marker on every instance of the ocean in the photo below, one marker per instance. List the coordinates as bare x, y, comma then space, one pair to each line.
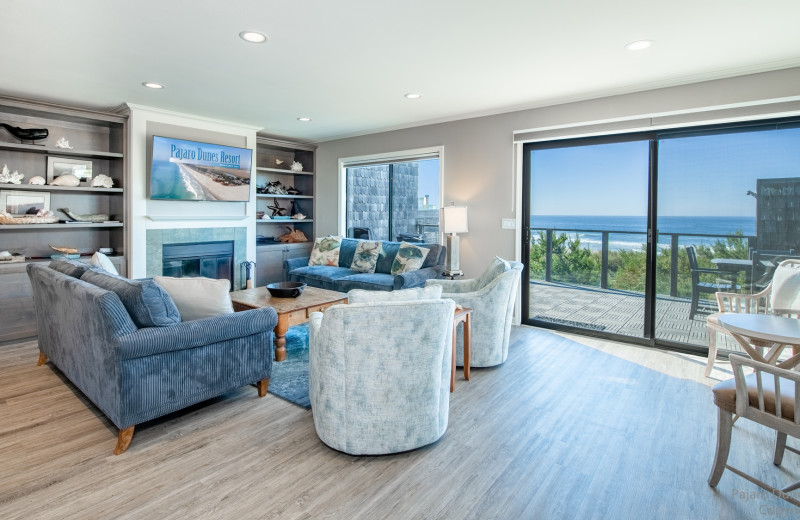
634, 229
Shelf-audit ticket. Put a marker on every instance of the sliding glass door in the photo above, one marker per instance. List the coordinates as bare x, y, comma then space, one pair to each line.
587, 205
721, 206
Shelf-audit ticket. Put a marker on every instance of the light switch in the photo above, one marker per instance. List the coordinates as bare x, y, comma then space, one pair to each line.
509, 223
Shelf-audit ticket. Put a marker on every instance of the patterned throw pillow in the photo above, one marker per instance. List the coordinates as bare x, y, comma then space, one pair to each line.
409, 258
325, 251
366, 257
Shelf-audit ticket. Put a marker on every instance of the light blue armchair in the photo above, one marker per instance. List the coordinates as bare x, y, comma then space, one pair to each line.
379, 374
491, 297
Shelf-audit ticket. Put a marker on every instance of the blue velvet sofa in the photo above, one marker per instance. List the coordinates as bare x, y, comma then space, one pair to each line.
126, 349
343, 279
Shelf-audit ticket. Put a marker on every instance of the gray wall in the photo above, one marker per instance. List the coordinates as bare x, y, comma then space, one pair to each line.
479, 163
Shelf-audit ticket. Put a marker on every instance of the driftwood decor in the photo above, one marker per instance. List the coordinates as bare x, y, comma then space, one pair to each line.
293, 236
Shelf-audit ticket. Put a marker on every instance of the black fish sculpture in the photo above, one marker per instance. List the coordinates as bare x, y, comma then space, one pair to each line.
26, 134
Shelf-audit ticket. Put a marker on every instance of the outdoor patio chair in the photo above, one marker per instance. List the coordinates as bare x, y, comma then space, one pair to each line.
781, 296
768, 396
700, 287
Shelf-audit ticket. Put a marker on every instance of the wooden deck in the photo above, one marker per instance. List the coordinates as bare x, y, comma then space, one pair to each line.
622, 312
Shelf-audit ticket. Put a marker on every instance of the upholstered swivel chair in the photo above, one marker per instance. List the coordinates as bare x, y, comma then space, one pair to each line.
379, 374
781, 296
767, 396
491, 297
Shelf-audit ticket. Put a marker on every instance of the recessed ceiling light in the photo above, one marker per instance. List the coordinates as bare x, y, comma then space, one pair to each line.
152, 84
413, 95
639, 45
253, 37
304, 119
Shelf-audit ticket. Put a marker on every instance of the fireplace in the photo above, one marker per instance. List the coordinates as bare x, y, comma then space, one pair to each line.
158, 238
208, 259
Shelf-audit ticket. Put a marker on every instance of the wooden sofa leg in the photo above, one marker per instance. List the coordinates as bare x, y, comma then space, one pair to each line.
42, 359
124, 440
262, 386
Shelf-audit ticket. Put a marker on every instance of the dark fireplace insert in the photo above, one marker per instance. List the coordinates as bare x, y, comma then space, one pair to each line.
209, 259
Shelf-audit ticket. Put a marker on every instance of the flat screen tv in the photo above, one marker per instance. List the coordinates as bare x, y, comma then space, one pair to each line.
188, 170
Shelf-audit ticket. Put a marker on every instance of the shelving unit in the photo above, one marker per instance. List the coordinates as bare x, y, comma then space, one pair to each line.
273, 161
95, 136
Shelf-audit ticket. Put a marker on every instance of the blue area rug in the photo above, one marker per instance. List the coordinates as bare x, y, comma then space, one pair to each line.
289, 378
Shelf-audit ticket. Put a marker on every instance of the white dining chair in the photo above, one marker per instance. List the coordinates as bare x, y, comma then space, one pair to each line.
780, 297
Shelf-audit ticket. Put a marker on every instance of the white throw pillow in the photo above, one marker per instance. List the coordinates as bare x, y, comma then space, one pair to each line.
431, 292
103, 262
198, 297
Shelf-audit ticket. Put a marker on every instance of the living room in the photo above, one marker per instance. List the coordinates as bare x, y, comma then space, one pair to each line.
569, 425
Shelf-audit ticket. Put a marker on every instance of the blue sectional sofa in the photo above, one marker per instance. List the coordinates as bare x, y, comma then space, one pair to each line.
343, 279
122, 343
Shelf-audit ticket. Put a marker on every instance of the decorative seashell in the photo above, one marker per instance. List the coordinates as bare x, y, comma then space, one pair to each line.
36, 180
66, 180
298, 216
5, 254
63, 143
297, 166
102, 181
278, 162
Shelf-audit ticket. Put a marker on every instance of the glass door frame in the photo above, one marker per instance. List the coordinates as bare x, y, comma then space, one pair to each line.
648, 337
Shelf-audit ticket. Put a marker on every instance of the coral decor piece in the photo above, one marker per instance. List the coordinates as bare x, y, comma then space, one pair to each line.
63, 143
297, 166
10, 178
102, 181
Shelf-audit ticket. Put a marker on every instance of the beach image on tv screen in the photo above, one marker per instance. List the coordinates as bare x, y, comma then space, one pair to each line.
188, 170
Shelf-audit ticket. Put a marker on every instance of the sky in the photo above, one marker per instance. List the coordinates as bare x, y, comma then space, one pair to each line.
698, 176
429, 180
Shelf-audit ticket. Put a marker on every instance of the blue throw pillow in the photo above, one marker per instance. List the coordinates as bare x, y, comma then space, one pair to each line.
148, 304
70, 267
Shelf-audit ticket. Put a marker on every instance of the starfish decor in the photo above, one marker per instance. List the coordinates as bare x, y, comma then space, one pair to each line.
277, 210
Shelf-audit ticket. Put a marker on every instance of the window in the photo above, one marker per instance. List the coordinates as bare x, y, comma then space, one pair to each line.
397, 200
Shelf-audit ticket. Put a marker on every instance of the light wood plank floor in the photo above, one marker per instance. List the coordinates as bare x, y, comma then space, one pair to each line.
561, 430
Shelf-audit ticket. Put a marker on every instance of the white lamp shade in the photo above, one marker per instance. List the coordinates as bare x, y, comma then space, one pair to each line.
455, 219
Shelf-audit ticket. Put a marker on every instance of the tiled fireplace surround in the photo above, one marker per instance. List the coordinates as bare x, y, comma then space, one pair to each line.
156, 238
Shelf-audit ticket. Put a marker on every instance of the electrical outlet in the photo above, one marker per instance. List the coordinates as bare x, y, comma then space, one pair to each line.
509, 223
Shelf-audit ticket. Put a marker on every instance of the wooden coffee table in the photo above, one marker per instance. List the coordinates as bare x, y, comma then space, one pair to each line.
291, 311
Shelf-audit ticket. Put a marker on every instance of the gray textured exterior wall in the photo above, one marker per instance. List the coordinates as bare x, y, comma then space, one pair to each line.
778, 214
368, 201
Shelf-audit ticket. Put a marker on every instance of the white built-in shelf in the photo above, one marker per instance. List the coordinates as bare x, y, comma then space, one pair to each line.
48, 187
270, 196
283, 221
284, 172
35, 148
60, 226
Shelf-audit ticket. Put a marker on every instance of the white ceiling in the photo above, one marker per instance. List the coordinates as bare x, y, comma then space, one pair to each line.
347, 63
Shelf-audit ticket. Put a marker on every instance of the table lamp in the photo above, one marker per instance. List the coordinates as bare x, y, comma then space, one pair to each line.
454, 221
